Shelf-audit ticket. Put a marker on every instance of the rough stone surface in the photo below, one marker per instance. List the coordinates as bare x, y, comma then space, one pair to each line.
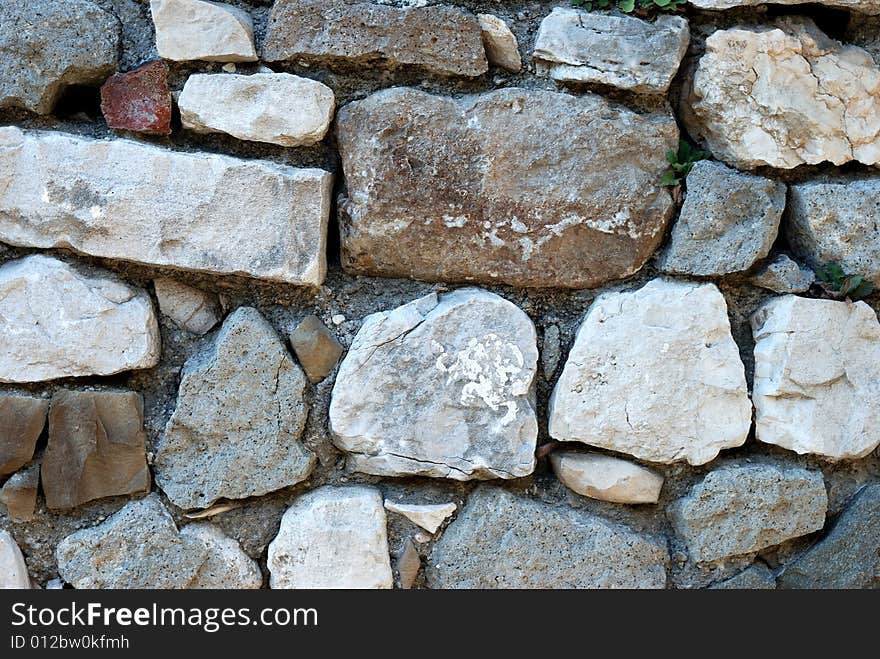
429, 516
191, 309
13, 570
817, 376
728, 221
861, 6
137, 547
546, 214
198, 30
605, 477
634, 353
441, 39
316, 348
226, 565
22, 419
97, 447
138, 100
783, 275
849, 555
837, 222
754, 577
501, 540
46, 45
743, 509
408, 565
57, 320
279, 108
19, 493
137, 202
620, 51
332, 537
240, 412
440, 387
502, 48
783, 96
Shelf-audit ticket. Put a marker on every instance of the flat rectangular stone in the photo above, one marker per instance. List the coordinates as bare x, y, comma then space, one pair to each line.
136, 202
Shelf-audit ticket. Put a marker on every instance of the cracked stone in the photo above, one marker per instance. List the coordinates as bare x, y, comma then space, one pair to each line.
633, 355
502, 48
606, 478
428, 516
226, 566
19, 493
783, 95
138, 100
190, 308
332, 537
784, 275
743, 509
754, 577
13, 570
441, 386
316, 348
235, 431
501, 540
22, 419
817, 376
199, 30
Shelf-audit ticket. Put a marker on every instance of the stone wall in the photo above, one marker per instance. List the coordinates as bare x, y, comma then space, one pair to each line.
331, 293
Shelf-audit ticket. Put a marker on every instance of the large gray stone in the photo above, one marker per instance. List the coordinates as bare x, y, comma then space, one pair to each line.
743, 509
57, 320
440, 387
240, 412
441, 39
47, 45
515, 186
501, 540
620, 51
849, 555
837, 222
132, 201
728, 221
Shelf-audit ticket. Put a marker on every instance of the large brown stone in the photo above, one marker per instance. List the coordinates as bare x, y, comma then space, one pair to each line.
515, 186
96, 447
21, 421
440, 39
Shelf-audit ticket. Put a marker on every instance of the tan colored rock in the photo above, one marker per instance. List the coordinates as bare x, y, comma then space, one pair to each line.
13, 569
316, 348
430, 516
408, 565
191, 309
97, 447
500, 43
19, 493
22, 419
606, 478
200, 30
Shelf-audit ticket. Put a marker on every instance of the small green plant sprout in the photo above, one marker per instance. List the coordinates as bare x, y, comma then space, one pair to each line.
838, 285
681, 163
638, 7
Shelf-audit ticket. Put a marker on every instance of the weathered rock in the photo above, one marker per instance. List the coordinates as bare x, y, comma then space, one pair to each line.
226, 565
19, 493
190, 308
836, 222
440, 387
502, 48
817, 376
137, 547
46, 46
408, 565
278, 108
505, 541
22, 419
429, 516
440, 39
138, 100
743, 509
633, 356
13, 570
136, 202
754, 577
784, 96
315, 347
97, 447
606, 478
332, 537
199, 30
550, 351
547, 213
862, 6
620, 51
728, 222
849, 555
240, 412
57, 321
783, 275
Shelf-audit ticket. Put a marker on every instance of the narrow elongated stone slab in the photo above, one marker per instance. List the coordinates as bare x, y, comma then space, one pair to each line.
136, 202
870, 7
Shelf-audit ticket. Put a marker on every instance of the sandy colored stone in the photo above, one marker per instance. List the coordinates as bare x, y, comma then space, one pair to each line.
316, 348
871, 7
97, 447
13, 569
138, 100
190, 308
430, 516
502, 48
22, 419
226, 565
408, 565
199, 30
523, 187
634, 355
19, 493
606, 478
782, 274
59, 320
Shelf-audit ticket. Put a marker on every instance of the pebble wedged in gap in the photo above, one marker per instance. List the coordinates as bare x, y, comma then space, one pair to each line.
138, 100
316, 348
194, 310
502, 48
606, 478
430, 516
782, 274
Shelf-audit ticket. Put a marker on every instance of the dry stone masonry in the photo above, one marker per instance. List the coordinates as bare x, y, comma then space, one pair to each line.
410, 294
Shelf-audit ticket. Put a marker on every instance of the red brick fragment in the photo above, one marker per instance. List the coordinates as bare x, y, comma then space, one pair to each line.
138, 100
